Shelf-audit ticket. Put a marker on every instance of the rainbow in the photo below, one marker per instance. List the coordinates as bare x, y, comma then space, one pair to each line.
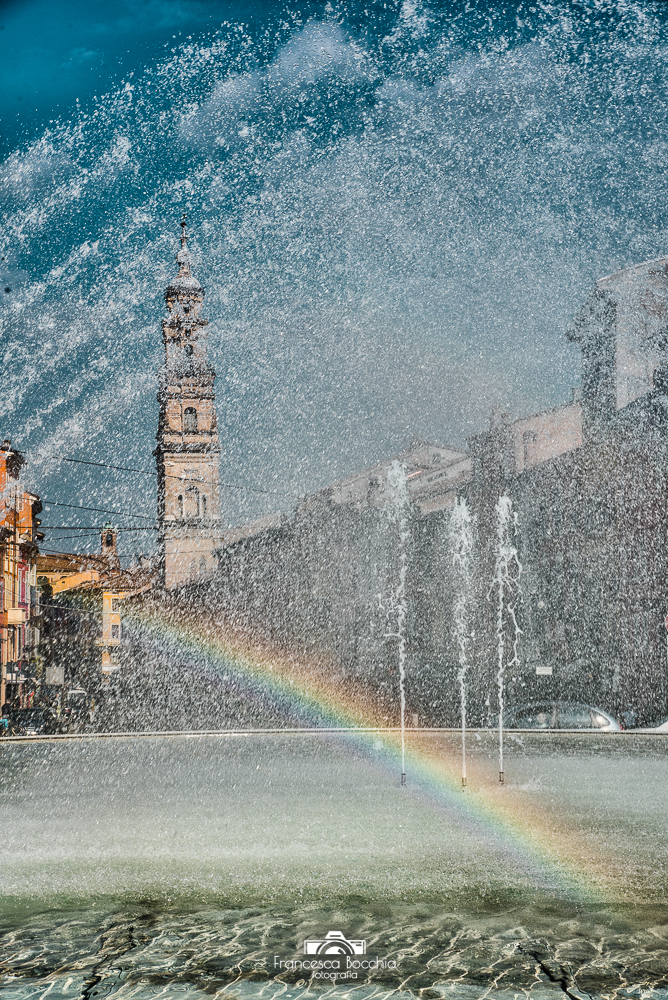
559, 861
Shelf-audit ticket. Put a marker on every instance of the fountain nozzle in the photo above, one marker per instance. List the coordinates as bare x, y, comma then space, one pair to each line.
403, 777
500, 777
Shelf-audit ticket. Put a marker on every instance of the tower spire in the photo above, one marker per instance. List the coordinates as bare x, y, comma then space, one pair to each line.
183, 257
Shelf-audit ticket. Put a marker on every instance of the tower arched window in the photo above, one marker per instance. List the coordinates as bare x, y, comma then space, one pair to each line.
180, 501
190, 420
192, 502
202, 503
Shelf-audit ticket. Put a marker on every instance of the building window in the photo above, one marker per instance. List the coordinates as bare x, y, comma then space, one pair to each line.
190, 420
115, 631
192, 502
203, 505
109, 540
189, 350
529, 439
180, 501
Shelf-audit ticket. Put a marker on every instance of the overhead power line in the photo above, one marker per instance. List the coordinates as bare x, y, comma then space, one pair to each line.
99, 510
94, 534
65, 538
57, 552
91, 527
146, 472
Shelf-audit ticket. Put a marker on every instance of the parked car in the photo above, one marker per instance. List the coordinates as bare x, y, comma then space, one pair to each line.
662, 727
559, 715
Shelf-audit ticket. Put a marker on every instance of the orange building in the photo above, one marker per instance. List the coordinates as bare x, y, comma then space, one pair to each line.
19, 639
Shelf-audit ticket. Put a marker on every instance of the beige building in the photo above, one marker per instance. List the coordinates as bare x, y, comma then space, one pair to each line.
511, 447
434, 473
82, 612
187, 452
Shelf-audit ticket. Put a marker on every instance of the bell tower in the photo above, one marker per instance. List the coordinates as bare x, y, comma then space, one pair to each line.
108, 536
187, 454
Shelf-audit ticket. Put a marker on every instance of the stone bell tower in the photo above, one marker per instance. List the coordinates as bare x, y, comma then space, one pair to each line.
187, 455
108, 536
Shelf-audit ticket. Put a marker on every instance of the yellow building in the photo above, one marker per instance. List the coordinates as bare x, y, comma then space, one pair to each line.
84, 630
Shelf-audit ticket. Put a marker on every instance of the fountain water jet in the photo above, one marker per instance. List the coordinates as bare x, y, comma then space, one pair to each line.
398, 486
414, 144
461, 544
506, 583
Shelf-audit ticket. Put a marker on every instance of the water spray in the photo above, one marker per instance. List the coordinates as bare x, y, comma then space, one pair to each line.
398, 487
506, 582
460, 533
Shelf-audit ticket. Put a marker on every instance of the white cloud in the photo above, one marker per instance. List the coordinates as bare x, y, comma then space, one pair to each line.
317, 51
81, 55
399, 278
238, 104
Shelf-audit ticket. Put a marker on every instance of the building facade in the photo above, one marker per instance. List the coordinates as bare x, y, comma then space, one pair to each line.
589, 484
82, 635
187, 452
323, 580
19, 601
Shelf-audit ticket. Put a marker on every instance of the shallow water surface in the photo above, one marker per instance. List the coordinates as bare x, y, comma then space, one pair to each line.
194, 865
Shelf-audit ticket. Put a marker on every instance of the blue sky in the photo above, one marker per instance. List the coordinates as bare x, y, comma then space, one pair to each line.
396, 208
57, 52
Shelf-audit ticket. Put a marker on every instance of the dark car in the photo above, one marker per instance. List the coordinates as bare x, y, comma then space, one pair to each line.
559, 715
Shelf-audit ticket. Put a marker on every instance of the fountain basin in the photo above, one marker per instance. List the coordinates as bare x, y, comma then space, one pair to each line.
226, 852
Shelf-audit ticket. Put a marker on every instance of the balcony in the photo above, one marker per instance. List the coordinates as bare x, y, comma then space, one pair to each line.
13, 616
16, 672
